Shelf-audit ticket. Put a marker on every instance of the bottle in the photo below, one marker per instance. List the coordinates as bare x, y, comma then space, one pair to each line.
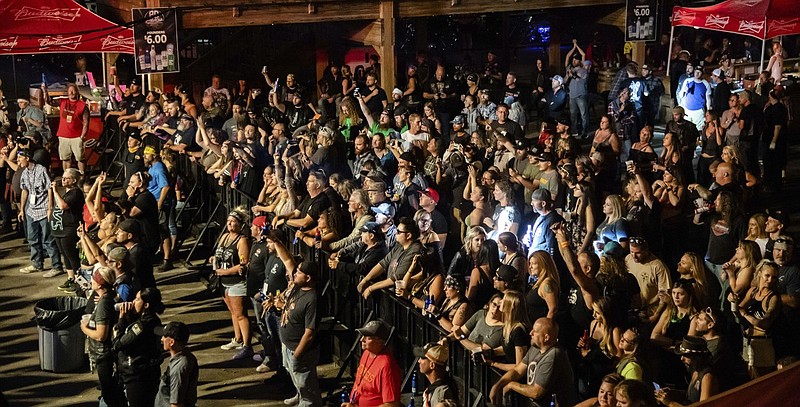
297, 239
411, 402
413, 387
317, 237
146, 65
553, 401
152, 55
345, 396
171, 57
585, 338
428, 303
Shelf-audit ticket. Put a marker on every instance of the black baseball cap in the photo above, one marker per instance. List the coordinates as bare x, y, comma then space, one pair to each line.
175, 330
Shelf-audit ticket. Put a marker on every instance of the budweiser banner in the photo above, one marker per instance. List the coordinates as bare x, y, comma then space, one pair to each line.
42, 26
640, 20
156, 35
763, 19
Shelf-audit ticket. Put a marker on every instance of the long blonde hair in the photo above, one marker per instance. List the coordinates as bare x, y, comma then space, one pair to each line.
617, 208
602, 307
514, 314
547, 269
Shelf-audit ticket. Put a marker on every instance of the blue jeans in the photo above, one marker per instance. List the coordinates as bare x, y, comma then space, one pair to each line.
579, 104
270, 340
303, 372
40, 240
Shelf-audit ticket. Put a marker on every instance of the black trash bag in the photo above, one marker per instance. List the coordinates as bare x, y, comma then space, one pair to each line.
58, 313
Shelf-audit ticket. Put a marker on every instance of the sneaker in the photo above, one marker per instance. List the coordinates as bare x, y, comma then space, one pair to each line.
292, 401
69, 285
264, 368
233, 344
53, 273
258, 357
244, 353
30, 269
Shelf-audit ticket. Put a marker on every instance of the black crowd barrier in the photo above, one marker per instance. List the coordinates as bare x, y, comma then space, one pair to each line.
202, 210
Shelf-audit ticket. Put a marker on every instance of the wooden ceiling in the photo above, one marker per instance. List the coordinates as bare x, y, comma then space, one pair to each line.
236, 13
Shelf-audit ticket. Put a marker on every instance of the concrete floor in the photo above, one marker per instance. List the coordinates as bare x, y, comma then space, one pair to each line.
223, 382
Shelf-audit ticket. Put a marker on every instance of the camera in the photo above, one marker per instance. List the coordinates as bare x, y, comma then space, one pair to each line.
356, 92
21, 140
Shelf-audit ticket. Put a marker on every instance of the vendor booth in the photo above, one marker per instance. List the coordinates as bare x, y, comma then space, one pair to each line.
63, 26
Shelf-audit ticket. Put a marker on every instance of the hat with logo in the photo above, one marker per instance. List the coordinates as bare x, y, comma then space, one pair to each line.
371, 227
149, 150
458, 120
472, 77
780, 215
401, 111
376, 328
134, 81
547, 156
397, 90
118, 254
558, 78
507, 273
187, 116
385, 209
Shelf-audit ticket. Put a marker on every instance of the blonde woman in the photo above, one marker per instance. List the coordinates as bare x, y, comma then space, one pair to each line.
760, 307
614, 227
629, 365
349, 120
516, 326
741, 269
757, 231
426, 234
706, 287
599, 351
542, 297
731, 154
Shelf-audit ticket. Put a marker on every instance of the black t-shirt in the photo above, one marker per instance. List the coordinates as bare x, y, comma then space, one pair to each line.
314, 206
133, 162
299, 314
41, 156
64, 222
186, 136
133, 103
102, 314
438, 222
148, 218
511, 128
519, 337
375, 104
275, 274
142, 262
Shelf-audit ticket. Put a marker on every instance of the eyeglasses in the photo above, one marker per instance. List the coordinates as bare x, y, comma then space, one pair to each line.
402, 231
496, 305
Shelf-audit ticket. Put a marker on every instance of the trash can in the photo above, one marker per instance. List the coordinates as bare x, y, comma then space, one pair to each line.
61, 341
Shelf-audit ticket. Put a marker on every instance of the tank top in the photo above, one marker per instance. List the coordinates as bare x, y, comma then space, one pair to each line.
227, 256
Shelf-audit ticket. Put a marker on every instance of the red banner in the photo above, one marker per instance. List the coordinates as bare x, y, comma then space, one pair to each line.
41, 26
763, 19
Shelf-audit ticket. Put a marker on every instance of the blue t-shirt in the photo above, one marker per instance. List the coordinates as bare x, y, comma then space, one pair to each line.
159, 178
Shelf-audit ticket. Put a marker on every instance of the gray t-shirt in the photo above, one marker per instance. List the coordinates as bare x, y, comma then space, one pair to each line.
299, 314
179, 382
480, 332
552, 371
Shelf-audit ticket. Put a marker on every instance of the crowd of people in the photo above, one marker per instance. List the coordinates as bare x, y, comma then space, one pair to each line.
580, 272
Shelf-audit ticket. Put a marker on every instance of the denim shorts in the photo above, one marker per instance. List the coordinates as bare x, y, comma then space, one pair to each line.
236, 290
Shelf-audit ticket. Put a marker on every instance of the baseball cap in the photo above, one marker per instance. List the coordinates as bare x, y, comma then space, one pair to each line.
23, 100
175, 330
472, 77
507, 273
401, 111
434, 351
376, 328
780, 215
397, 90
118, 254
542, 195
645, 66
134, 134
260, 221
431, 193
783, 242
371, 227
187, 116
718, 72
134, 81
547, 156
385, 209
587, 63
130, 226
484, 91
149, 150
558, 78
521, 144
458, 120
563, 121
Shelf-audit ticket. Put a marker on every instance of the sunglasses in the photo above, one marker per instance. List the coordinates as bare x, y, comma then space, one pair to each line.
637, 240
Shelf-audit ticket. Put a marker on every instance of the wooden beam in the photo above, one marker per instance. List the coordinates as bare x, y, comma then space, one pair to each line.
370, 34
415, 8
283, 14
388, 65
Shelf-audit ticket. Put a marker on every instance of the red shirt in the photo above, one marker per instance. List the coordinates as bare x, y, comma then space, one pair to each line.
71, 123
377, 380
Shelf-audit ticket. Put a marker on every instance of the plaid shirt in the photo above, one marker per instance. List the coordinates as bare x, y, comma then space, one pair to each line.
36, 181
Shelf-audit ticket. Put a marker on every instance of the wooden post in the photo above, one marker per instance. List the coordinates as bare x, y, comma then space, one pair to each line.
554, 49
638, 54
388, 65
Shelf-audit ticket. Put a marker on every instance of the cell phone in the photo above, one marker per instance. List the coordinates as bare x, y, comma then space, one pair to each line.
656, 386
317, 116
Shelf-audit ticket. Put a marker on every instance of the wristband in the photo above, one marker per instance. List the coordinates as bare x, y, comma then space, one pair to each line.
564, 244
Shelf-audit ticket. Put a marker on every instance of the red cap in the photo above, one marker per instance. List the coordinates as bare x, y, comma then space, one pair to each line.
431, 193
260, 221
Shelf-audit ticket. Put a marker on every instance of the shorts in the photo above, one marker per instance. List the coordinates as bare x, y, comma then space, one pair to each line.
68, 147
236, 290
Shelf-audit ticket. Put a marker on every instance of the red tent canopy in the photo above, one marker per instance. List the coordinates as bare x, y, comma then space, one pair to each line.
763, 19
42, 26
